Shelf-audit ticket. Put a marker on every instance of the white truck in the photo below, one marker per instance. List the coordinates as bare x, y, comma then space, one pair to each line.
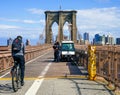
67, 50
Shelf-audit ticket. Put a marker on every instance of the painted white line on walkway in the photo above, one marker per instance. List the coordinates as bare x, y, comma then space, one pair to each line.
37, 83
26, 63
45, 70
4, 75
36, 58
34, 88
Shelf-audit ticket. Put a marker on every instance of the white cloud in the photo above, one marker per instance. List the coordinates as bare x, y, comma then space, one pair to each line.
9, 27
42, 22
29, 21
93, 21
99, 20
36, 11
12, 31
22, 21
11, 20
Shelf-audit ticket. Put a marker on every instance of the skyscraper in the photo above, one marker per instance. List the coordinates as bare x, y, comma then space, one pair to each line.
9, 41
118, 41
109, 40
102, 40
86, 36
99, 40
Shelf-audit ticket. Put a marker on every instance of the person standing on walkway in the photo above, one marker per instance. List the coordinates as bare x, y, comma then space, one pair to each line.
56, 48
18, 52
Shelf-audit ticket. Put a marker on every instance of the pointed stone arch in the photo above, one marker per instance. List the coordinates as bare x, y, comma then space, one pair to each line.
60, 17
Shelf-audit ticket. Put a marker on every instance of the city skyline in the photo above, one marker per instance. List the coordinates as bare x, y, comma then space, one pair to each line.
27, 18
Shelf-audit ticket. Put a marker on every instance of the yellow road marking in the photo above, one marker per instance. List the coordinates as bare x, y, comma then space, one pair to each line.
53, 77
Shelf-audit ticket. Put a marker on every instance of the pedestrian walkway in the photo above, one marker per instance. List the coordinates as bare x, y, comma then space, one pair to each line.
74, 83
45, 77
72, 86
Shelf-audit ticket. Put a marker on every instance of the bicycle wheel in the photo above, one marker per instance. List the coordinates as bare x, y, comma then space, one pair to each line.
14, 80
19, 77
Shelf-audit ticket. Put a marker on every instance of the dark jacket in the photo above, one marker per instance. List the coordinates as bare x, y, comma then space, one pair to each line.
21, 52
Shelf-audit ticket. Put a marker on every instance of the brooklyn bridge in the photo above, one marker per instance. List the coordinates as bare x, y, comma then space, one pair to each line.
95, 70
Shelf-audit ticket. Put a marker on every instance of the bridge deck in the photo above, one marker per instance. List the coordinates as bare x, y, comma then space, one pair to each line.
45, 77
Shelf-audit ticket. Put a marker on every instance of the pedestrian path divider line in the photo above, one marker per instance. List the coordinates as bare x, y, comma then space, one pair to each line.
50, 77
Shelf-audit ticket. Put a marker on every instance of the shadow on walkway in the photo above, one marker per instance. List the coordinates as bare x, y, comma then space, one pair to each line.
87, 87
76, 70
6, 88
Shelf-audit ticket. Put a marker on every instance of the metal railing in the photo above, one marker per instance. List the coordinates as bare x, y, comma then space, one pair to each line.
107, 61
6, 60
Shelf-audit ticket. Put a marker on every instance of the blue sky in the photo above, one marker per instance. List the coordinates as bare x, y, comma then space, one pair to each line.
27, 18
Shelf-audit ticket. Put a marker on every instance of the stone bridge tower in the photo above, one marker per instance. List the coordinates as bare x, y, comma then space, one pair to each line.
60, 17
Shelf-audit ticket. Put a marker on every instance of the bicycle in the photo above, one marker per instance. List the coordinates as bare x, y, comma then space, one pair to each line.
16, 77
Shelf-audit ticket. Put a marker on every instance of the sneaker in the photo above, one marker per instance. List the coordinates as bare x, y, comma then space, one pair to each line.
22, 83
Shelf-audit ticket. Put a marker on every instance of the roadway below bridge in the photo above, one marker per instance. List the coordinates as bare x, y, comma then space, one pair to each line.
45, 77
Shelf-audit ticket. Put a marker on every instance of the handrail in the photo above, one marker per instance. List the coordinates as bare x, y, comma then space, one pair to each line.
31, 52
107, 61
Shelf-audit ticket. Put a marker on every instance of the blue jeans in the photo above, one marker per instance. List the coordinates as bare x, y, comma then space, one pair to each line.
21, 60
57, 55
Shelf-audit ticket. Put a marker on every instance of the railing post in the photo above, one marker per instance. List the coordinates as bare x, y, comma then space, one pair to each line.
92, 62
109, 66
116, 68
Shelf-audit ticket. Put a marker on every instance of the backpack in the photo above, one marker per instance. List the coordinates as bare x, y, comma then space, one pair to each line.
16, 45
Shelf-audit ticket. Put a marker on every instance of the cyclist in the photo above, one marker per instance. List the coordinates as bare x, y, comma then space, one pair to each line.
18, 52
